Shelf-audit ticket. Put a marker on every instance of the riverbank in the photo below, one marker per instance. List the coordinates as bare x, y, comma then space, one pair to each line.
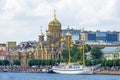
107, 72
40, 69
27, 69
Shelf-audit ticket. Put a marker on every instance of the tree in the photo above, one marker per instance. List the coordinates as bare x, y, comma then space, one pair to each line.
46, 62
5, 62
77, 56
87, 48
16, 62
0, 62
109, 63
35, 61
65, 54
74, 49
114, 62
88, 63
103, 63
96, 53
118, 62
30, 62
39, 62
52, 62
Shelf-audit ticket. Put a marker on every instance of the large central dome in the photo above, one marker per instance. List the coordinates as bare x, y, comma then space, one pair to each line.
54, 22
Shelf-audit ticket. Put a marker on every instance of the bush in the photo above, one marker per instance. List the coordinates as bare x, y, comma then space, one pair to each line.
39, 62
16, 62
4, 62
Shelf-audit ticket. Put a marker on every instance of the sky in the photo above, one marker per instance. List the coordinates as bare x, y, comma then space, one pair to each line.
20, 20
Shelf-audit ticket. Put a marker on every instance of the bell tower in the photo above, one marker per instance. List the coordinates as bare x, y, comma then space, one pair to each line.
55, 28
41, 35
49, 37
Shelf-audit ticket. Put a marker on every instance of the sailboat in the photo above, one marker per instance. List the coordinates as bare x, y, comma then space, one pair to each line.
73, 68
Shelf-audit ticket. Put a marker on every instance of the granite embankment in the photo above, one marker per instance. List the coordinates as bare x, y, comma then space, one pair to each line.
36, 69
23, 68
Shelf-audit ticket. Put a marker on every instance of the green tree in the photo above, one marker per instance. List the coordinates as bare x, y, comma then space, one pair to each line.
114, 62
103, 63
88, 63
74, 49
16, 62
87, 48
65, 54
30, 62
46, 62
52, 62
5, 62
39, 62
77, 56
96, 53
75, 53
118, 61
0, 62
110, 63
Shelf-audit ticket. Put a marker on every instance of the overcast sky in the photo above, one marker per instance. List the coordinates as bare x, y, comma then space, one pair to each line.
20, 20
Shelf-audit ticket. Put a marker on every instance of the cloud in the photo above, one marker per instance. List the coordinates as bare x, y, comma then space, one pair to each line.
23, 17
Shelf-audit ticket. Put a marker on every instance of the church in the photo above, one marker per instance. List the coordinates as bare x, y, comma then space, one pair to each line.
50, 48
42, 49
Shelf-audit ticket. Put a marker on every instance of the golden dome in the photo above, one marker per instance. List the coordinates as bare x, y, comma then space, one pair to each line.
54, 21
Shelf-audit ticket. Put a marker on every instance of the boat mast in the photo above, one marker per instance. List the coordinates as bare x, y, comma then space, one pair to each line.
68, 36
83, 39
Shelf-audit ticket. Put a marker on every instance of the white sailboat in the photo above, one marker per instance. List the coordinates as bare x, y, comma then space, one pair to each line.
73, 68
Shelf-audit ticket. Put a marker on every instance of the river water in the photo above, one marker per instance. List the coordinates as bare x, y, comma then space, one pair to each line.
46, 76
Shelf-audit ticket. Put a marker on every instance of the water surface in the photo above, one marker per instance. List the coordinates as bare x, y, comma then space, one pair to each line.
46, 76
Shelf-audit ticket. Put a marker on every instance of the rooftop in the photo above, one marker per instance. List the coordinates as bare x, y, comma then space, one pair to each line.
4, 52
110, 49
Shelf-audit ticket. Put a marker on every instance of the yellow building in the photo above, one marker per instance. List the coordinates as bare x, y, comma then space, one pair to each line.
23, 57
49, 49
10, 45
2, 47
23, 52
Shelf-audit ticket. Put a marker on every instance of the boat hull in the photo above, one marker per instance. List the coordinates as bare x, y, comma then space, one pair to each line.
73, 71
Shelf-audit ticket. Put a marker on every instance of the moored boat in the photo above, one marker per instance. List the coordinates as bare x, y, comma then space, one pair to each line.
73, 68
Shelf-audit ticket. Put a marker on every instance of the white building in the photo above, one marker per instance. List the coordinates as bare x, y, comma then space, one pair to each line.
119, 36
111, 52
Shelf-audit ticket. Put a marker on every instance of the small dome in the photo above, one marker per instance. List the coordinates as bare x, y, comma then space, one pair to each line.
68, 33
49, 33
41, 34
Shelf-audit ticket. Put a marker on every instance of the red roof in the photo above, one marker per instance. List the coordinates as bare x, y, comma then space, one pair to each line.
4, 52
